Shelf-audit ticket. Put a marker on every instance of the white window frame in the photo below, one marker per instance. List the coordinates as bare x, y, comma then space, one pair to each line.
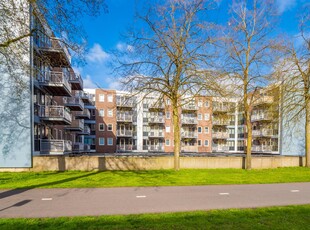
110, 98
109, 126
101, 141
109, 139
200, 103
168, 102
168, 129
199, 116
168, 117
168, 142
207, 143
207, 116
200, 129
206, 129
110, 112
207, 104
103, 125
101, 115
101, 97
198, 143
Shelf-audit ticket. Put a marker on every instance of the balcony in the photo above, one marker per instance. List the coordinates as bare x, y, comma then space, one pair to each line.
156, 120
74, 103
189, 148
86, 97
78, 147
265, 133
221, 108
85, 114
189, 135
56, 83
262, 148
124, 117
85, 131
156, 106
56, 51
156, 148
220, 122
125, 148
87, 148
262, 117
76, 81
56, 115
263, 100
124, 102
124, 133
220, 148
156, 134
189, 121
190, 107
55, 146
76, 125
220, 135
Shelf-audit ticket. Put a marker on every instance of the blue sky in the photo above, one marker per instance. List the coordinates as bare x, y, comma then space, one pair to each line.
104, 35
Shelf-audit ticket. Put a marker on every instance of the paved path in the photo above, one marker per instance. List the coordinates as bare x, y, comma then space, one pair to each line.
103, 201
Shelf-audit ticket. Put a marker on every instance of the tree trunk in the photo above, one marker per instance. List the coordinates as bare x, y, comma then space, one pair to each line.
307, 133
177, 142
248, 164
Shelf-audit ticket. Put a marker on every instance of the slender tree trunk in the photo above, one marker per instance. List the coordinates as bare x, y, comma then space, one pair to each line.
307, 131
177, 142
249, 142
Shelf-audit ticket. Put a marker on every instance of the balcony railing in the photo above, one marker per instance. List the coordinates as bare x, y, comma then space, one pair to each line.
261, 148
220, 108
55, 146
124, 133
74, 103
55, 112
189, 120
189, 107
263, 100
56, 82
124, 117
220, 135
124, 148
83, 114
156, 105
220, 148
156, 148
156, 119
87, 148
156, 134
220, 122
261, 117
265, 133
78, 147
76, 81
188, 134
76, 125
124, 102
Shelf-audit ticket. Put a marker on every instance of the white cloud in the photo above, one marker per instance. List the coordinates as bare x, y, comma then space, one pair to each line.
124, 47
97, 54
112, 83
78, 70
88, 82
284, 5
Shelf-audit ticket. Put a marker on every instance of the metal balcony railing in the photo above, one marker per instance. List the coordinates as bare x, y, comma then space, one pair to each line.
265, 133
156, 119
124, 117
219, 148
55, 146
123, 133
190, 107
78, 147
57, 78
76, 79
261, 148
189, 148
77, 101
53, 111
220, 135
261, 117
126, 147
188, 134
156, 148
220, 122
156, 134
220, 108
189, 120
85, 114
124, 102
263, 100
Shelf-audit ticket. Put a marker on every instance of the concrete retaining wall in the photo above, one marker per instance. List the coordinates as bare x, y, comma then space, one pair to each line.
89, 163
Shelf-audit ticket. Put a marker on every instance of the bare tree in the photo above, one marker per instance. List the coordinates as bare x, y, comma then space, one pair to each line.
294, 73
250, 53
170, 55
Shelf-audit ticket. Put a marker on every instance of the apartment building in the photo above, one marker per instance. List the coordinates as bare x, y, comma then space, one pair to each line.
60, 105
126, 123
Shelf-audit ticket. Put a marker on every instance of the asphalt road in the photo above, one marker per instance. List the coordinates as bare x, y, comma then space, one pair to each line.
106, 201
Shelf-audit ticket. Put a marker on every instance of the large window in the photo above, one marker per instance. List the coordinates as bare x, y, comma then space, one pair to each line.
101, 97
110, 127
101, 112
101, 140
101, 127
110, 141
110, 98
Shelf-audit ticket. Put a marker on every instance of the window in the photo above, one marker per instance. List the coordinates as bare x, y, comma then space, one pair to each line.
168, 115
101, 112
110, 141
101, 97
207, 104
101, 127
206, 142
110, 127
199, 116
167, 142
168, 102
167, 129
199, 129
207, 116
199, 142
101, 140
200, 103
110, 113
110, 98
206, 130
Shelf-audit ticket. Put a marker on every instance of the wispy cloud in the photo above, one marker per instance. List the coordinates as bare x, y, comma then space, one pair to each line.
284, 5
97, 54
88, 82
124, 47
112, 83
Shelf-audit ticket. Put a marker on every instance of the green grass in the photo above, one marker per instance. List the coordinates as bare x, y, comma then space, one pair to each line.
76, 179
288, 217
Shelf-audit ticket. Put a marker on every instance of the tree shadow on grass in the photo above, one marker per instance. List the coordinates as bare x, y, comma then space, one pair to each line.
27, 188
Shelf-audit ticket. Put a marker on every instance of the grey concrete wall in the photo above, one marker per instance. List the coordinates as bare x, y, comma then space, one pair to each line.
89, 163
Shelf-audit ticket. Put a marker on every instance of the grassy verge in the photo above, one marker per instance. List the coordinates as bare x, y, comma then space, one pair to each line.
76, 179
289, 217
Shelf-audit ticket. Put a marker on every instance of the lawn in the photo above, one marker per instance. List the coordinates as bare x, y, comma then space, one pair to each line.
96, 179
288, 217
